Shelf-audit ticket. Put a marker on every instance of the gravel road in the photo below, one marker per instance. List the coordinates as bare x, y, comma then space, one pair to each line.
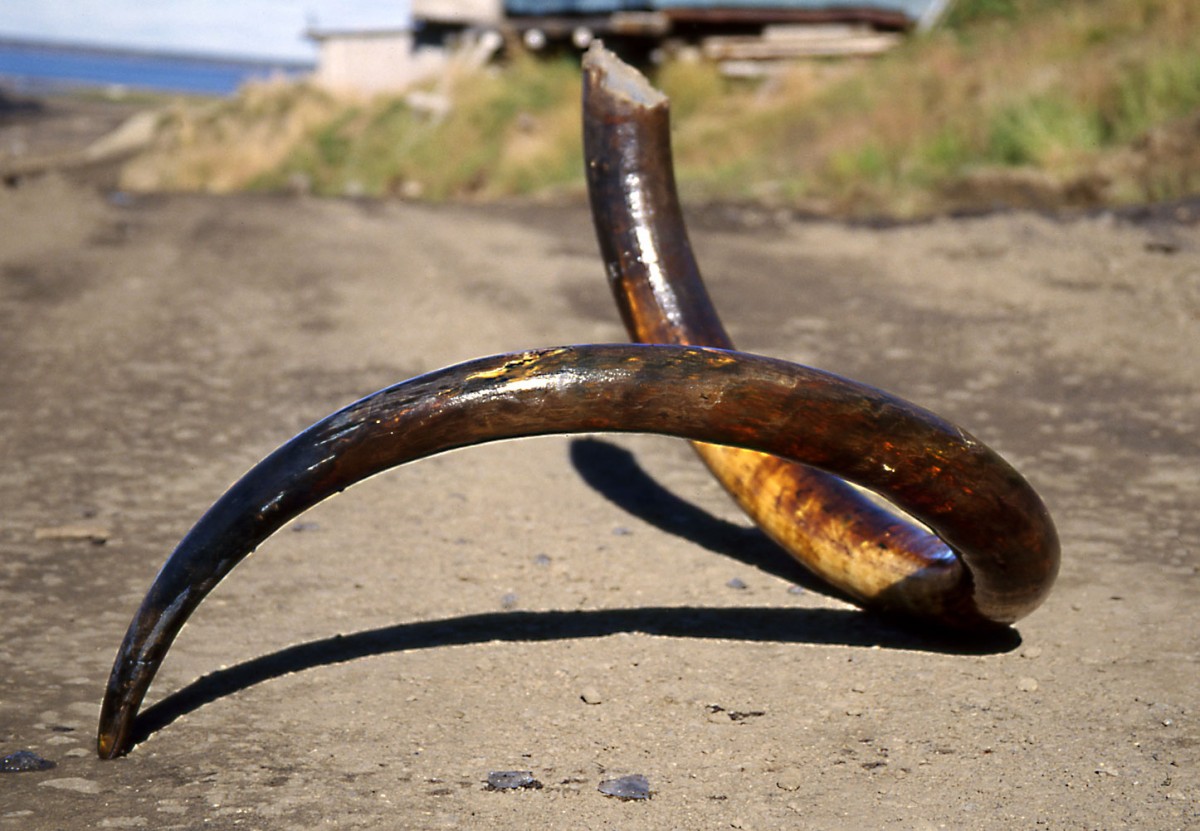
582, 608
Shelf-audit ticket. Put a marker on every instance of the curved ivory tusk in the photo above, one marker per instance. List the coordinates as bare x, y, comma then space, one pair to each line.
837, 533
928, 467
991, 557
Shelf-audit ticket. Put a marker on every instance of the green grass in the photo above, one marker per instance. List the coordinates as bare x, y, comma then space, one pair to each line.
503, 134
1067, 89
1070, 90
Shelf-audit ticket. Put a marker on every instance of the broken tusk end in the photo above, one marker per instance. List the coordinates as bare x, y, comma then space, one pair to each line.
619, 78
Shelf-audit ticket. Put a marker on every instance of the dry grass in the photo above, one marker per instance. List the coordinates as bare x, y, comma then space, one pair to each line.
506, 131
1061, 93
223, 146
1043, 102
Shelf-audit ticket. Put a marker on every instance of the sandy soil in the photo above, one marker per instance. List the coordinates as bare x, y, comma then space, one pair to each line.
369, 666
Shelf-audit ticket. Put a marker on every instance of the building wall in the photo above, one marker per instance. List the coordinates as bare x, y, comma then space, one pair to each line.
374, 62
466, 11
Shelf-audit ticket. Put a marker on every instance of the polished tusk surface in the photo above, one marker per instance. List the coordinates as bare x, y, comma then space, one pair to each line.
783, 438
931, 469
883, 561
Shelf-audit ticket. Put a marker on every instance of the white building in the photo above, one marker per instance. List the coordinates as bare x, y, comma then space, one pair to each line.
389, 59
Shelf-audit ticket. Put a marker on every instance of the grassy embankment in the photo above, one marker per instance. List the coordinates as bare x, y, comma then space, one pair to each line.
1036, 102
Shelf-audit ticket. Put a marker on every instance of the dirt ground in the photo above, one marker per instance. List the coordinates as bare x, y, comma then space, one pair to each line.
371, 664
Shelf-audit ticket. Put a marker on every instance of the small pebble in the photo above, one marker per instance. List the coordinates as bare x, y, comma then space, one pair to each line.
794, 589
1027, 685
722, 715
24, 761
1031, 652
95, 534
590, 695
621, 531
791, 779
72, 783
634, 786
506, 780
509, 601
541, 560
737, 583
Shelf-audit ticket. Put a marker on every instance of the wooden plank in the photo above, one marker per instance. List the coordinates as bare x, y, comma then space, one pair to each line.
808, 42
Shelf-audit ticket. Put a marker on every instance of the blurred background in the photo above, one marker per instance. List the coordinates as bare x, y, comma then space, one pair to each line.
896, 108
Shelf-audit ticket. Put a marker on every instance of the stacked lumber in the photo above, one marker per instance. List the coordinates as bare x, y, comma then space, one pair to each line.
778, 43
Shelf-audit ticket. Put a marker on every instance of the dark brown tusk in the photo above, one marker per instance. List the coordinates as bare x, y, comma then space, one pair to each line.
697, 393
881, 560
981, 512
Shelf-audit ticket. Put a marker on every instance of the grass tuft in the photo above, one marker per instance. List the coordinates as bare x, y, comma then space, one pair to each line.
1094, 101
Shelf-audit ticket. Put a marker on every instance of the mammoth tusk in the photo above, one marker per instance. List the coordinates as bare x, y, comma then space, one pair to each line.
880, 560
981, 512
929, 468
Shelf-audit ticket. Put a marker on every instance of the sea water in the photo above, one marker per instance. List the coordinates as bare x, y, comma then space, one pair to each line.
33, 68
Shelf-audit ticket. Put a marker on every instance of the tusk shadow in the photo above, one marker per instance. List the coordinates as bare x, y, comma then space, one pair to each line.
615, 474
835, 627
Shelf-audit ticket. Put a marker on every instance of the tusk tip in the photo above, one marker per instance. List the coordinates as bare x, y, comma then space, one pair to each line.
106, 746
112, 736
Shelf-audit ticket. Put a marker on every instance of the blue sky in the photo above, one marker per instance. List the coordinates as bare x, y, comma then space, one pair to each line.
266, 28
